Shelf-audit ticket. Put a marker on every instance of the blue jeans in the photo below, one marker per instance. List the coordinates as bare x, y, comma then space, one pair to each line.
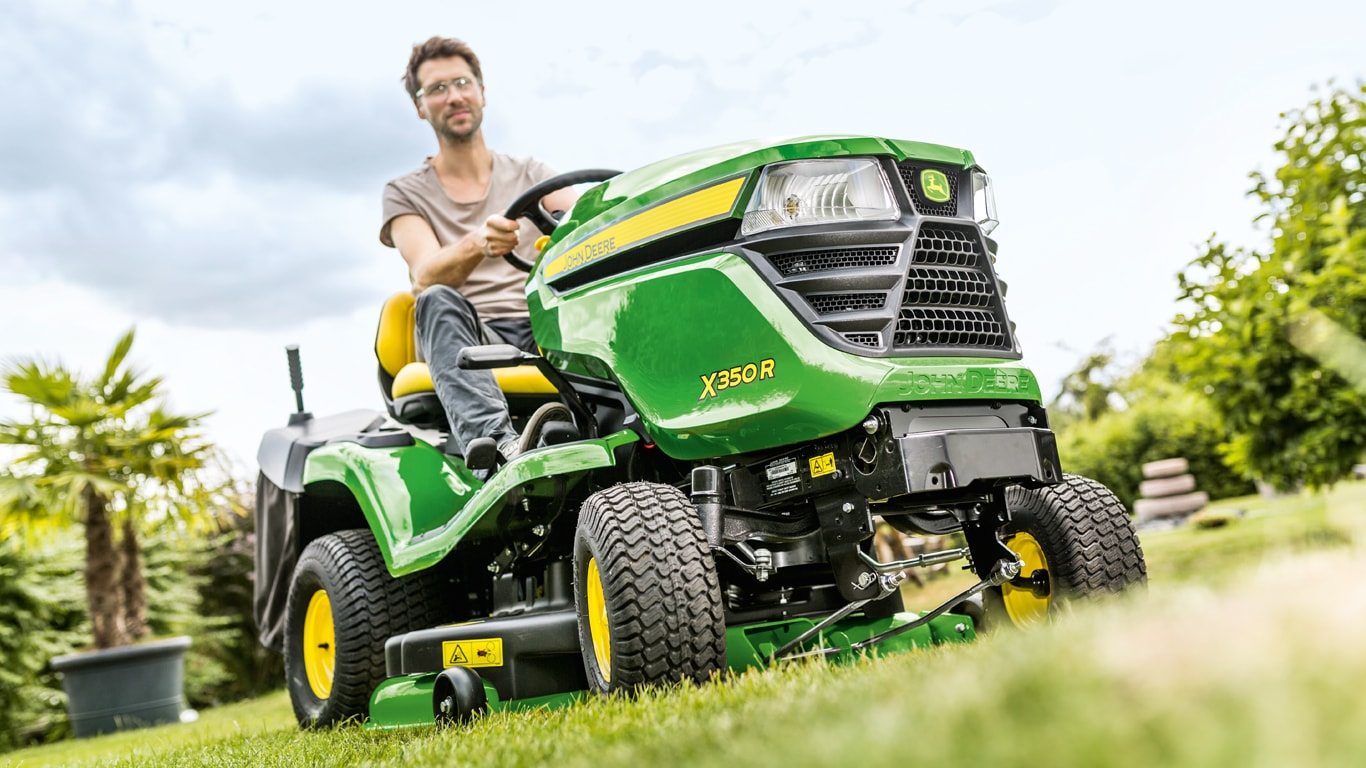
475, 407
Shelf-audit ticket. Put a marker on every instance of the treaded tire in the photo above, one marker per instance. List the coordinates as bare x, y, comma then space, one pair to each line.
1086, 538
368, 606
664, 618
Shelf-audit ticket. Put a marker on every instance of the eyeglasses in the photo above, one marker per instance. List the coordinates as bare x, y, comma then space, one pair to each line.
443, 88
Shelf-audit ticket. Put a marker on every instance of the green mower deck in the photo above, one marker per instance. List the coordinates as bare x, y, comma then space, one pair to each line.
408, 700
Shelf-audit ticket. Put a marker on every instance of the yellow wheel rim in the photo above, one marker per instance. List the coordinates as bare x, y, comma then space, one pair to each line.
320, 645
1022, 605
597, 621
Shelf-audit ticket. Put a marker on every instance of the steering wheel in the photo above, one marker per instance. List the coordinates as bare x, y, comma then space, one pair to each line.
529, 205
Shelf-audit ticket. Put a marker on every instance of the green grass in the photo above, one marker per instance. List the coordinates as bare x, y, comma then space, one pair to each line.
1259, 533
1245, 651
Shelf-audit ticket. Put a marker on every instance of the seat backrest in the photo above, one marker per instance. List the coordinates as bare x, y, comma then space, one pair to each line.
404, 381
396, 337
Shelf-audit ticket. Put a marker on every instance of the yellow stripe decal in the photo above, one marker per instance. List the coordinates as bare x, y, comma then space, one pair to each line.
692, 208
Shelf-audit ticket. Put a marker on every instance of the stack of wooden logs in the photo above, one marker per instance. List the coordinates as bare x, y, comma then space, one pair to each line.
1168, 492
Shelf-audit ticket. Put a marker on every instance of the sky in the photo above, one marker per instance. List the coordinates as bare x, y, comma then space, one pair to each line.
210, 174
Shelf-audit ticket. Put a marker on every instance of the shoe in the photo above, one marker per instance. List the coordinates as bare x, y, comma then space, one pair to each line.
530, 438
535, 424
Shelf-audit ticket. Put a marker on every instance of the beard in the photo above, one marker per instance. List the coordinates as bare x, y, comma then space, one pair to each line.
450, 134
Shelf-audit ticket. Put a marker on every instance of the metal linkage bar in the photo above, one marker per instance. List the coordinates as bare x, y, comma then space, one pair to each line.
921, 561
1002, 572
886, 585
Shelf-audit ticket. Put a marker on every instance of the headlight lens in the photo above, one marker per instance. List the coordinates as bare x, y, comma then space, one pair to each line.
984, 201
804, 192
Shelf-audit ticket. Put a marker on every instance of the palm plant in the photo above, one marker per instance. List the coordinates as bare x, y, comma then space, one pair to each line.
105, 454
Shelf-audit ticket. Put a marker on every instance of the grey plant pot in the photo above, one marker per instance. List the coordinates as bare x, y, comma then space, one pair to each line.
124, 688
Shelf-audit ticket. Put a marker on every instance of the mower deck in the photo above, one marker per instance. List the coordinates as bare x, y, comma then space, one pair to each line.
408, 699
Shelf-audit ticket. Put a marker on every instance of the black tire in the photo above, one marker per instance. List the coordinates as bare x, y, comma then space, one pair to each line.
367, 607
660, 595
458, 696
1087, 543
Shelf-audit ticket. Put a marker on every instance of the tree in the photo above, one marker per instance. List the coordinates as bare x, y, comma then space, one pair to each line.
104, 453
1088, 390
1252, 338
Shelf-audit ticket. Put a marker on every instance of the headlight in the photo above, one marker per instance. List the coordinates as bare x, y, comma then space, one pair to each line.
805, 192
983, 201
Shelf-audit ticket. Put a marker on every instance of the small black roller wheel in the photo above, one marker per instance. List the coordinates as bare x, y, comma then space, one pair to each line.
1077, 543
646, 590
458, 696
343, 605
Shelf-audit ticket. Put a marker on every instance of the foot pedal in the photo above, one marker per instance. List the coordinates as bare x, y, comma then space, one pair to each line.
481, 453
557, 432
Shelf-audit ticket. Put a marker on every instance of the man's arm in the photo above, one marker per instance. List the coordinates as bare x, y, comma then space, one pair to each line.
560, 200
431, 263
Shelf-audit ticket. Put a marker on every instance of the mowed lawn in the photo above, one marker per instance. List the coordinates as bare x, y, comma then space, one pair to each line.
1245, 651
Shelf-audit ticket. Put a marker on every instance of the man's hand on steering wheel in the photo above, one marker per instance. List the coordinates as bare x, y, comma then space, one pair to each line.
530, 204
499, 236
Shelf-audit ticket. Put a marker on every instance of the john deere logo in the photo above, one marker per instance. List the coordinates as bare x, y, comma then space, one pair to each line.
935, 186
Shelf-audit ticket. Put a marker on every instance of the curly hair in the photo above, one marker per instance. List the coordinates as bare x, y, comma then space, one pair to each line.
439, 48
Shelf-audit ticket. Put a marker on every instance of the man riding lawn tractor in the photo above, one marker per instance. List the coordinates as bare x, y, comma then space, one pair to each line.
749, 353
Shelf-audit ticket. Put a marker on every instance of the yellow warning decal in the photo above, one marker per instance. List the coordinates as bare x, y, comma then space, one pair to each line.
692, 208
472, 653
823, 465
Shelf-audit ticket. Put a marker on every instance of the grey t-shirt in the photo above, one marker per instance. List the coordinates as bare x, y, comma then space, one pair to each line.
495, 288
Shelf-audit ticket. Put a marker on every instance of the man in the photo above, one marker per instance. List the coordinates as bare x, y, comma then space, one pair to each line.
445, 220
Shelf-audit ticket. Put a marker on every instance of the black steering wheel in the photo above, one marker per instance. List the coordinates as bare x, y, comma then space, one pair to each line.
529, 205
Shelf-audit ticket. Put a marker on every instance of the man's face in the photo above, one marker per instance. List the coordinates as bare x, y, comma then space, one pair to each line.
455, 114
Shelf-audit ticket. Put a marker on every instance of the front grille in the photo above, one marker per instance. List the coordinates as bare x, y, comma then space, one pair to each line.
951, 297
865, 339
947, 244
933, 294
801, 262
932, 286
830, 303
910, 176
941, 327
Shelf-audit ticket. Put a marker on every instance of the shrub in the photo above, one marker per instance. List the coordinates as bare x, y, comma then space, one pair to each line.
42, 614
1163, 424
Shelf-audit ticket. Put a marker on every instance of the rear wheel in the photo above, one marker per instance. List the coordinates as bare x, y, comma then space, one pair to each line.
343, 605
646, 590
1077, 543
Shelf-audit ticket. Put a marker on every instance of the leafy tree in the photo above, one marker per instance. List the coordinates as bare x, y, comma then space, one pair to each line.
1088, 390
105, 454
1251, 340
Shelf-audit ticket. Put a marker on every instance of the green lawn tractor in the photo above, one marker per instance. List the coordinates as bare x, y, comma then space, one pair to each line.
750, 356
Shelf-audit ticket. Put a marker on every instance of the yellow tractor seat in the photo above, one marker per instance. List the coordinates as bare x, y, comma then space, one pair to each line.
406, 382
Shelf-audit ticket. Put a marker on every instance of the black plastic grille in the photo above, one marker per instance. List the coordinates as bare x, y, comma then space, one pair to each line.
932, 294
910, 176
830, 303
865, 339
943, 327
950, 245
799, 262
938, 286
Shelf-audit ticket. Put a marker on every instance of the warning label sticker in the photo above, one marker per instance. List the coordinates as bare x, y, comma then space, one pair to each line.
473, 653
823, 465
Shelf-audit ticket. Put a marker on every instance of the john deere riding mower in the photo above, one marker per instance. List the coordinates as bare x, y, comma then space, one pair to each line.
748, 356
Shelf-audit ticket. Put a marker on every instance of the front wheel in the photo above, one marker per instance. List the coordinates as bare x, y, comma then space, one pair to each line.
646, 590
343, 605
1077, 543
